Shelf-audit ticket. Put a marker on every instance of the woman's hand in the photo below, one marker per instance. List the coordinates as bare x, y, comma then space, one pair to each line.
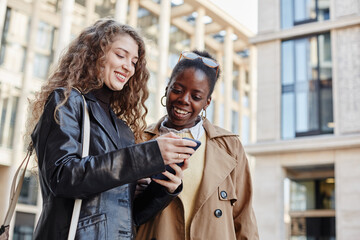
174, 179
174, 149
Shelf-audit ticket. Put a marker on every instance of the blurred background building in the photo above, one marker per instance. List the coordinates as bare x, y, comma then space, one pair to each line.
291, 92
34, 32
307, 151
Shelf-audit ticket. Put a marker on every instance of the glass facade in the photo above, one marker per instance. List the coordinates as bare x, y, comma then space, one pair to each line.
8, 106
295, 12
14, 40
44, 50
245, 130
235, 84
235, 122
179, 42
24, 226
306, 86
29, 191
310, 202
210, 111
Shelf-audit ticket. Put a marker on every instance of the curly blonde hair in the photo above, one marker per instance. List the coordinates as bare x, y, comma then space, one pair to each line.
80, 67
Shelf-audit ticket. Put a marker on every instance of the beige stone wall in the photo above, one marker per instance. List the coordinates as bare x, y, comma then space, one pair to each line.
347, 175
346, 79
268, 197
345, 8
269, 91
272, 155
268, 16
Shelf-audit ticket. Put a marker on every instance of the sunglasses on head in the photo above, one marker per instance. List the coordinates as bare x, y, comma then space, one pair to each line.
207, 61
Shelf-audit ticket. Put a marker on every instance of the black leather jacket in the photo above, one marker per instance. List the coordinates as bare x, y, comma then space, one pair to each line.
105, 180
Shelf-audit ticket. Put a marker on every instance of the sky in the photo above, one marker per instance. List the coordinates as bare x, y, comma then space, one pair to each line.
244, 11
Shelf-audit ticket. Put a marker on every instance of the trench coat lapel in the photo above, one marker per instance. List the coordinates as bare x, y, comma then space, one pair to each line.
218, 165
100, 116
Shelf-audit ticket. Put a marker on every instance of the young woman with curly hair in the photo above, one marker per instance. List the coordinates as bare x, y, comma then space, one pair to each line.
106, 65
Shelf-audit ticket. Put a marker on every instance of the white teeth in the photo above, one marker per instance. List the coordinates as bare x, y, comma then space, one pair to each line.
180, 111
120, 76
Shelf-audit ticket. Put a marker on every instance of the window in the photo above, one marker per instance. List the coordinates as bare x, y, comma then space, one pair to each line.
210, 111
245, 100
29, 190
245, 130
24, 226
222, 115
179, 41
235, 84
235, 122
8, 106
307, 107
14, 40
310, 202
150, 102
294, 12
43, 56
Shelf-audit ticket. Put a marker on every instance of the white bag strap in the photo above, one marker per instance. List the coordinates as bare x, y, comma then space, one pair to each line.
85, 153
16, 188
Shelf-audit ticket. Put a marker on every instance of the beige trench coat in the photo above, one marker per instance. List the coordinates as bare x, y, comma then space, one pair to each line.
223, 210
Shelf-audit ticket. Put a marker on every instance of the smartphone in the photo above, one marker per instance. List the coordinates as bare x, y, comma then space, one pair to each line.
169, 169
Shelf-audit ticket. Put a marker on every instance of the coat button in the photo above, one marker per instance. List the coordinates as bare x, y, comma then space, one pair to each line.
218, 213
223, 194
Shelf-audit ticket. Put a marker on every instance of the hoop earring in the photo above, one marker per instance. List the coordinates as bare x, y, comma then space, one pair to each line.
161, 101
203, 114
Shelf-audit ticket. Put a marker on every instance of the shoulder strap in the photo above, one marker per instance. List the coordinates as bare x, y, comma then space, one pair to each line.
16, 185
85, 152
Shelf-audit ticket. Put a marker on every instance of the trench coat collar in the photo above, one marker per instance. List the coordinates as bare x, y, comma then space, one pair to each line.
101, 117
218, 163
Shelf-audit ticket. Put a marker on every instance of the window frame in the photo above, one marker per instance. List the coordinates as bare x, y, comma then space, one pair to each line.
307, 173
309, 20
291, 88
286, 23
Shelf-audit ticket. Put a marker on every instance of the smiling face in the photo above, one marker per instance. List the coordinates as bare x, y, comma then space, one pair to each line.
120, 61
186, 95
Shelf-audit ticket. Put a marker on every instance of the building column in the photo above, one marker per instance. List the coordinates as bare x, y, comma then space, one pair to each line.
253, 94
90, 10
163, 46
3, 4
241, 89
19, 127
134, 7
65, 28
228, 72
217, 92
121, 11
27, 78
200, 29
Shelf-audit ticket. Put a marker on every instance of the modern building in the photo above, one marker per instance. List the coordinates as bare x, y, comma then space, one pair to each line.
34, 32
307, 151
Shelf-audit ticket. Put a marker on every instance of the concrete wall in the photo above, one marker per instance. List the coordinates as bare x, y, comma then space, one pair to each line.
343, 8
269, 178
269, 91
347, 175
268, 16
346, 79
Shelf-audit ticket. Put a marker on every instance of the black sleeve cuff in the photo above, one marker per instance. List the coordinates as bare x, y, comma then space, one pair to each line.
154, 199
